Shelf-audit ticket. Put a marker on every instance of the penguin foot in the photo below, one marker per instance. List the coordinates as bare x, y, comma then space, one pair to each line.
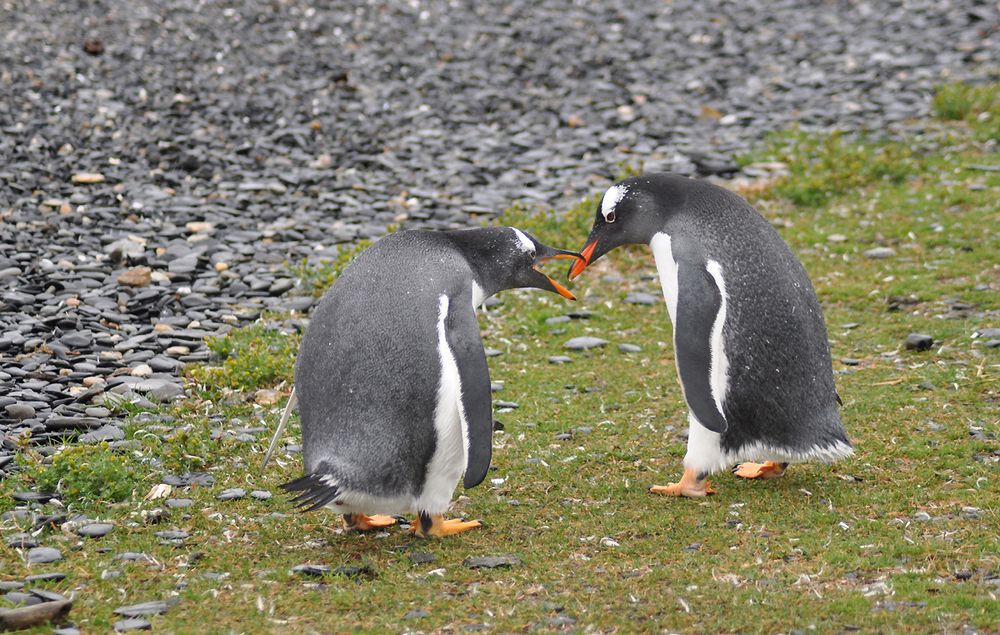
690, 486
767, 469
363, 522
427, 525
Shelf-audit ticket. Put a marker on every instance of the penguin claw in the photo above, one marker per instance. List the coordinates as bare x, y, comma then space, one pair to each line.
690, 486
679, 489
767, 469
440, 527
363, 522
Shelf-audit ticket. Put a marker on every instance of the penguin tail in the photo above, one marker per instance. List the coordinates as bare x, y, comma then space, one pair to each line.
314, 491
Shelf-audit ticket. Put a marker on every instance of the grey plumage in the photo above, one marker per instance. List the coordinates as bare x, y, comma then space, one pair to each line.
370, 366
779, 396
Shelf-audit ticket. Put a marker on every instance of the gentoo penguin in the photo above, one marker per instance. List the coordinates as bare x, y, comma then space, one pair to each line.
751, 345
391, 376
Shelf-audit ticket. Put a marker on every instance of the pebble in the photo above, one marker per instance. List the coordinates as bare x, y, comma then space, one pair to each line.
155, 607
491, 562
178, 503
20, 411
231, 494
629, 348
421, 557
132, 624
43, 555
584, 343
95, 530
260, 494
880, 253
559, 359
919, 342
21, 541
107, 432
641, 298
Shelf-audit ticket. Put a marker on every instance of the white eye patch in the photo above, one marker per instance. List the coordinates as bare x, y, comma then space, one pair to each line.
526, 243
612, 197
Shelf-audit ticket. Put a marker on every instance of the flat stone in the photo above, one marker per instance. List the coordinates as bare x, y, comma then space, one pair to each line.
491, 562
132, 624
313, 570
42, 555
20, 411
629, 348
21, 541
95, 530
919, 342
35, 615
421, 557
156, 607
178, 503
641, 298
233, 493
880, 253
559, 359
584, 343
104, 433
260, 494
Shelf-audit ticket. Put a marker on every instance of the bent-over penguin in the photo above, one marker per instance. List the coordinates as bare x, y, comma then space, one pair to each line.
750, 342
391, 376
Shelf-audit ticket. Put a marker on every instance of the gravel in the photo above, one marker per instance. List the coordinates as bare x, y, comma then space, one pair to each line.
162, 161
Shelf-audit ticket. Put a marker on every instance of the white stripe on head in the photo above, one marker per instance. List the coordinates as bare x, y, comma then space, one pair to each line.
612, 197
526, 243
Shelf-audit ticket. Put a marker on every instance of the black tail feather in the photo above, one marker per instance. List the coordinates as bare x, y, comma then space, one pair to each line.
313, 493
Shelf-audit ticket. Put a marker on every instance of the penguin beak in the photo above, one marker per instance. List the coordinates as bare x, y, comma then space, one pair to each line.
557, 253
584, 260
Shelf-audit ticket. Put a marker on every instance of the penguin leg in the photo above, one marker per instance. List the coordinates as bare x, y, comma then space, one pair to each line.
427, 525
767, 469
363, 522
691, 484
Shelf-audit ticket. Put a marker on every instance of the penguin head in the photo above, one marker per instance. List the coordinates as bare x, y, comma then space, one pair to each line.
508, 258
529, 254
631, 211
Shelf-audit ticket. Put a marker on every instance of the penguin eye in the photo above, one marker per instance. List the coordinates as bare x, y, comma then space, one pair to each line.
610, 217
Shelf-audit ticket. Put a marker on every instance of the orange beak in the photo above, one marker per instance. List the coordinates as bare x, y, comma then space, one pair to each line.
561, 290
581, 264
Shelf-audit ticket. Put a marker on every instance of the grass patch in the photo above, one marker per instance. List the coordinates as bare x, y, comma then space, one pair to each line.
86, 476
976, 105
901, 538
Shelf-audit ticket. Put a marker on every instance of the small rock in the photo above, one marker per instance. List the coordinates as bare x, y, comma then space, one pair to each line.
880, 253
20, 411
30, 616
95, 530
156, 607
641, 298
87, 178
233, 493
266, 397
104, 433
42, 555
132, 624
922, 517
629, 348
21, 541
491, 562
175, 503
919, 342
260, 494
136, 277
142, 370
973, 513
583, 343
421, 557
416, 614
559, 319
559, 359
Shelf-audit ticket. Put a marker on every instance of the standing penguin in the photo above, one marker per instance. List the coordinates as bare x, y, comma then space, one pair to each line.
751, 345
391, 377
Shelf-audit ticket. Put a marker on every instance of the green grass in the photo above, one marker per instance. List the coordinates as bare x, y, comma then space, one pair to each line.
825, 548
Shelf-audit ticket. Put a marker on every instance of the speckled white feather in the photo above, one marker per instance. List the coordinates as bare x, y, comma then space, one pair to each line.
612, 197
526, 243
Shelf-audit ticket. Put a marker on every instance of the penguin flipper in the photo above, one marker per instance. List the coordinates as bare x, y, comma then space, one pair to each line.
462, 332
699, 301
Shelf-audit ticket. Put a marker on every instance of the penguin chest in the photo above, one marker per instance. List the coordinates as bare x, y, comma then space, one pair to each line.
450, 456
712, 366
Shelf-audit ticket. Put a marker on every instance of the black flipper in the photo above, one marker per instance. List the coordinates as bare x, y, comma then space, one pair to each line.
313, 492
698, 304
462, 333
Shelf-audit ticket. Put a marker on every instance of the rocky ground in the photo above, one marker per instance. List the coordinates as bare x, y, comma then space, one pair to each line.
162, 163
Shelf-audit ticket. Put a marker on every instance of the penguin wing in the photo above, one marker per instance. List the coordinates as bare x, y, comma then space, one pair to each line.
699, 301
477, 401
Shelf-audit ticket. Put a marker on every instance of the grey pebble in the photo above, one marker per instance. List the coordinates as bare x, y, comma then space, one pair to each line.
421, 557
155, 607
584, 342
559, 359
41, 555
107, 432
416, 614
641, 298
95, 530
491, 562
629, 348
559, 319
919, 342
260, 494
880, 253
176, 503
233, 493
132, 624
20, 411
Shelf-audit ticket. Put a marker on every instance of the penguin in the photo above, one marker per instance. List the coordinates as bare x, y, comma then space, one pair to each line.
391, 376
750, 341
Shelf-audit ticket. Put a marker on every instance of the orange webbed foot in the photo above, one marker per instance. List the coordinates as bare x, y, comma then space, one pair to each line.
427, 525
767, 469
364, 522
689, 486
